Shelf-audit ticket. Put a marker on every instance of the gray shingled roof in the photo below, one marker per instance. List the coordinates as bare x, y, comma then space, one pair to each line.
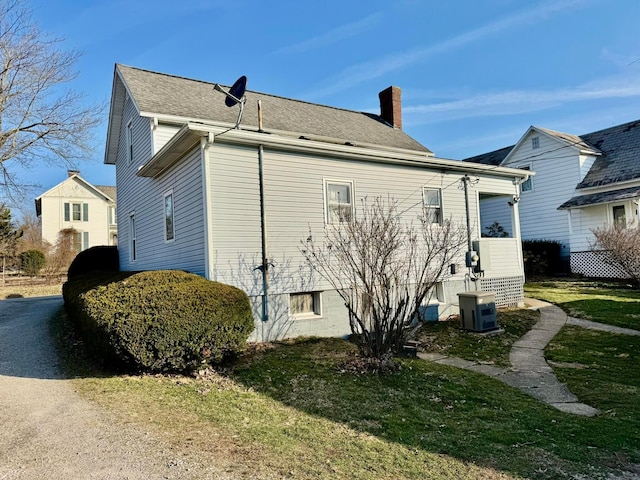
569, 138
107, 190
620, 161
603, 197
619, 147
161, 94
492, 158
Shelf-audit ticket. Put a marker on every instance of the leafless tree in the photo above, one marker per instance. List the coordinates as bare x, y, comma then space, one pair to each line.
41, 117
617, 245
60, 256
385, 269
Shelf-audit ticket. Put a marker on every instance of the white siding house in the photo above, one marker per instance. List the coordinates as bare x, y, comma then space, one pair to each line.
581, 183
88, 209
199, 195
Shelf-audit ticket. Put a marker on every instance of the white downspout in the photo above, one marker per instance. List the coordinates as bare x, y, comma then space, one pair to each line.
205, 143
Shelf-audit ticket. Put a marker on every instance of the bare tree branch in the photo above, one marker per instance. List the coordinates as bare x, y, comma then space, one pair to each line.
385, 270
41, 117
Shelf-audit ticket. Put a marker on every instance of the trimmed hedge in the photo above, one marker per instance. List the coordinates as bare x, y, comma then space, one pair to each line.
542, 258
159, 320
100, 258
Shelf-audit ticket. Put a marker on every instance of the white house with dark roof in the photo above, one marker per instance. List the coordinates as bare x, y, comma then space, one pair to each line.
197, 194
581, 183
75, 203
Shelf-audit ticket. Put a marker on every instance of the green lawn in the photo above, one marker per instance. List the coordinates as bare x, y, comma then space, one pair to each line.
292, 410
607, 302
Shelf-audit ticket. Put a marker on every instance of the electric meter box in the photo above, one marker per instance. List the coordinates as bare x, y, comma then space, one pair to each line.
478, 311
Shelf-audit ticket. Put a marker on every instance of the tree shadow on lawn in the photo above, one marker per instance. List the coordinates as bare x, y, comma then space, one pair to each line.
432, 408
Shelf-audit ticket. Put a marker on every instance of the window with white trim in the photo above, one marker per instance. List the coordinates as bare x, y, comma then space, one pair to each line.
169, 226
133, 252
113, 216
527, 185
535, 143
432, 199
80, 241
619, 215
305, 304
129, 138
76, 212
339, 206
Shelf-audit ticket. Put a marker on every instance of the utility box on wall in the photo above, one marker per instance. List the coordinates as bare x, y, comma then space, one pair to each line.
478, 311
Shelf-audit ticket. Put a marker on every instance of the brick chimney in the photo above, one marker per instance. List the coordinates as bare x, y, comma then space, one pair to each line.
391, 106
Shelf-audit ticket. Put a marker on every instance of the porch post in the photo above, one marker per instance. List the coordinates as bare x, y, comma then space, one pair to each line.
515, 221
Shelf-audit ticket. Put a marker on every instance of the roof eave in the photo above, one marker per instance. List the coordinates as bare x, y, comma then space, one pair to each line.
191, 134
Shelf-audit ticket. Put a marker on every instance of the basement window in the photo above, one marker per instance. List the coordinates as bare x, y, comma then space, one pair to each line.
306, 304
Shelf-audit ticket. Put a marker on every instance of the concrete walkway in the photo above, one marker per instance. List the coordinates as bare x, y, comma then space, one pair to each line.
529, 370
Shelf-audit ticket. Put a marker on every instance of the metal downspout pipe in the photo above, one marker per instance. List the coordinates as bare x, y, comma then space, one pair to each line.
264, 267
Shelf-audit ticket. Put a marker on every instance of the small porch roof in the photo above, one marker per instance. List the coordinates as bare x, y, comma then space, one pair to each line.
600, 198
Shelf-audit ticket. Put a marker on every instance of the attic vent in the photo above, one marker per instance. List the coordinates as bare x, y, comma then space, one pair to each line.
535, 143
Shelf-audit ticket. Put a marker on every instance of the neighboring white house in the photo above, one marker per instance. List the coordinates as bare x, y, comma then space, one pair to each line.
582, 182
74, 203
197, 194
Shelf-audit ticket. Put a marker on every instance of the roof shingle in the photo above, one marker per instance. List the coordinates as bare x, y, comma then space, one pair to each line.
161, 94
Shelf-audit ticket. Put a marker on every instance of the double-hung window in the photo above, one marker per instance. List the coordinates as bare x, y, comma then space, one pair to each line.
76, 212
133, 253
432, 199
129, 139
339, 206
169, 226
527, 185
619, 215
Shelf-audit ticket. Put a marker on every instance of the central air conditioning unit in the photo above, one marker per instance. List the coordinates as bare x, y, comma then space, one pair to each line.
478, 311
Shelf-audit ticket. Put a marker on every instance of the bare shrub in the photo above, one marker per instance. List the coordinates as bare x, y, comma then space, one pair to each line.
617, 246
384, 269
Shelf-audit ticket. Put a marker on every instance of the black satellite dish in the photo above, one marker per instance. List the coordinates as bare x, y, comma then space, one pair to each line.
236, 92
235, 95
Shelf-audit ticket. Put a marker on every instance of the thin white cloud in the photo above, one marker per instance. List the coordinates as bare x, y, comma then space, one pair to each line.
522, 101
366, 71
333, 36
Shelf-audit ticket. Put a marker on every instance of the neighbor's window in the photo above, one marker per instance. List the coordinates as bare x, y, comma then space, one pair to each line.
339, 201
169, 232
307, 303
76, 212
526, 186
432, 204
113, 217
535, 143
619, 216
132, 237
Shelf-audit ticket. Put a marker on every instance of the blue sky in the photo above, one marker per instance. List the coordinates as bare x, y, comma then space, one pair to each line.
474, 74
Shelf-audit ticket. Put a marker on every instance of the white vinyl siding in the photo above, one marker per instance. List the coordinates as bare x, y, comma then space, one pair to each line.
162, 134
145, 196
295, 205
557, 172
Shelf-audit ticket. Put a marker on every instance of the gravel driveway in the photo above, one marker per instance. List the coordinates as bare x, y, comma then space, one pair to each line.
49, 432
